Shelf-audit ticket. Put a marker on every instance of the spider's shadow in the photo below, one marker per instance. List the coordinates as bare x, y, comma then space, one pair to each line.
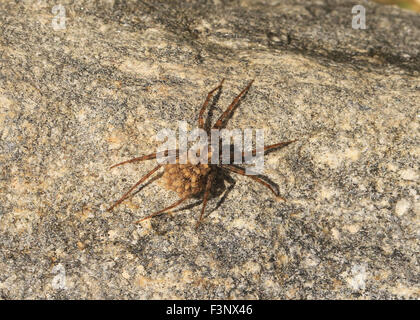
156, 177
212, 107
263, 177
219, 189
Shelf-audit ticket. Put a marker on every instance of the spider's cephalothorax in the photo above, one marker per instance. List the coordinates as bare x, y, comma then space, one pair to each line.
192, 179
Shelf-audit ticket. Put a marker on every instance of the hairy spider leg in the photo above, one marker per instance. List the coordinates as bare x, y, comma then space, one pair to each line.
229, 110
147, 157
267, 148
125, 196
209, 183
241, 171
205, 104
166, 209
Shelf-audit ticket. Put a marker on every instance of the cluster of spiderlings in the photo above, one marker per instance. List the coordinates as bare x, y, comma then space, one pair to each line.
185, 179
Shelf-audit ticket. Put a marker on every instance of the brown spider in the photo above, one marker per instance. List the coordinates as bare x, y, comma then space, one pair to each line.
189, 179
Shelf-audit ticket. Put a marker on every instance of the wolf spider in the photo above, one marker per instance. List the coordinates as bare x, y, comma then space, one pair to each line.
189, 179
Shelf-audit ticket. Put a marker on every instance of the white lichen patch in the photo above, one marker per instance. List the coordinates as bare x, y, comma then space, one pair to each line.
143, 68
358, 279
335, 233
243, 224
335, 159
402, 206
409, 174
59, 280
352, 228
405, 292
326, 193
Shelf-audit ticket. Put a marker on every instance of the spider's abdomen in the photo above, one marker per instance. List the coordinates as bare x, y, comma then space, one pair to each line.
185, 179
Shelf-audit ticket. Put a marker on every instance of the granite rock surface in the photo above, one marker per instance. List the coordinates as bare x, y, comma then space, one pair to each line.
79, 96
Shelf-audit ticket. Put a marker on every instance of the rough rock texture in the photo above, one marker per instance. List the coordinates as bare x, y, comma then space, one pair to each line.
77, 100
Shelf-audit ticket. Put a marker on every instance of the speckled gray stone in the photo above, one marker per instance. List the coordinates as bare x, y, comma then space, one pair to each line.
77, 100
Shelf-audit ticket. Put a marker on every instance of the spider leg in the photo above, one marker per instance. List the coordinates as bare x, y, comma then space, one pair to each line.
147, 157
209, 182
125, 196
163, 210
266, 148
205, 104
241, 171
229, 110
